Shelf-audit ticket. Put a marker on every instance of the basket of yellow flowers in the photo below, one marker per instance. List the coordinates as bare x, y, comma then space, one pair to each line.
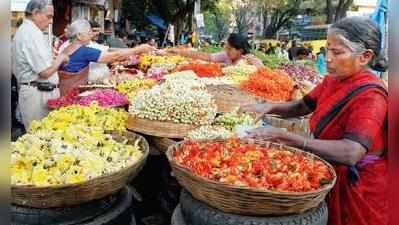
70, 167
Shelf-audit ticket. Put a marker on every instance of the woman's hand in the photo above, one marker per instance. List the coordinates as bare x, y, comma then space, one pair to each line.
266, 133
172, 51
145, 48
260, 109
276, 135
161, 53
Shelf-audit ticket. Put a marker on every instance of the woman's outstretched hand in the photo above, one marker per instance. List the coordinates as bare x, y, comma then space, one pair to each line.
145, 48
260, 109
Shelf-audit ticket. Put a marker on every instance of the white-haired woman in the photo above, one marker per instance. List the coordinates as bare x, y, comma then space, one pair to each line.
75, 72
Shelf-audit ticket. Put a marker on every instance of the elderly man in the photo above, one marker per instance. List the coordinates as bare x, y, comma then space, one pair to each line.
33, 63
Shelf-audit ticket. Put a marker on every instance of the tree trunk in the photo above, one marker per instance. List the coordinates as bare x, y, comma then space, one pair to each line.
329, 12
269, 32
265, 15
342, 8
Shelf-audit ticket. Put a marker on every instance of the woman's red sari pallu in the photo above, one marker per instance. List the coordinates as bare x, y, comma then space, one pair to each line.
355, 109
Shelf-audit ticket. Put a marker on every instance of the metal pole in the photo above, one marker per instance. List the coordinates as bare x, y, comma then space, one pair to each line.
197, 10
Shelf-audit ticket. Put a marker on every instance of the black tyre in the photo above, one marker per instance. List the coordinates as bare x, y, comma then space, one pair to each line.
198, 213
113, 210
177, 217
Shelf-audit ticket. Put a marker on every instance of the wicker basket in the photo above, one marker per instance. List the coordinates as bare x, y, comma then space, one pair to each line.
245, 200
90, 87
159, 128
295, 125
228, 98
75, 194
162, 144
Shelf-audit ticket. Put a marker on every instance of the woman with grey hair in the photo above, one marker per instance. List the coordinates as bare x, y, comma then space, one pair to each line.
348, 123
75, 72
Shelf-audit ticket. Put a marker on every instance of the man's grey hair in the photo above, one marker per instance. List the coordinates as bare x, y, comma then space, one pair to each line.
36, 5
79, 26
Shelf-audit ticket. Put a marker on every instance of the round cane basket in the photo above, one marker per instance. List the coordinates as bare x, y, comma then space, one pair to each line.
159, 128
75, 194
295, 125
246, 200
228, 98
90, 87
161, 143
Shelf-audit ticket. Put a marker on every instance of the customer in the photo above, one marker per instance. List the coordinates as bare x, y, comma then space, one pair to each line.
96, 70
301, 54
75, 72
284, 51
349, 123
321, 65
33, 62
292, 51
270, 50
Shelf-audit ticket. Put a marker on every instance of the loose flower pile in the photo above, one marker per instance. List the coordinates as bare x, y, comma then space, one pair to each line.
146, 61
73, 155
301, 73
270, 84
232, 119
131, 87
248, 165
107, 119
203, 69
68, 99
217, 81
210, 132
180, 99
240, 72
106, 97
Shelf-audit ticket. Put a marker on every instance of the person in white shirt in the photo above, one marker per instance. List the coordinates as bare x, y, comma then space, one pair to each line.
33, 62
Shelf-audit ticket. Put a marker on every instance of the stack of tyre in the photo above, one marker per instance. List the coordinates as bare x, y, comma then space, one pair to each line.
111, 210
191, 211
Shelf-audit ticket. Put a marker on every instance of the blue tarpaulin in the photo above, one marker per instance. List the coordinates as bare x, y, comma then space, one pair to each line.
157, 21
379, 16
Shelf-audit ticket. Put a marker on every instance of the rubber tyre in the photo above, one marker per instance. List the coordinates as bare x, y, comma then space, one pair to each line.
177, 217
198, 213
113, 210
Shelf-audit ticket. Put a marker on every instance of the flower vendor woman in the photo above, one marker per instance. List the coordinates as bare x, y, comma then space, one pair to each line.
348, 122
236, 48
75, 72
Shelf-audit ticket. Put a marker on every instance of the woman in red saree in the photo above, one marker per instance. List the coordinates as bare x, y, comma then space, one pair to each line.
348, 122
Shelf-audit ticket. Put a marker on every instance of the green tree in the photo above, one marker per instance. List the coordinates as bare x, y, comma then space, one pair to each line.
176, 12
218, 20
278, 14
336, 9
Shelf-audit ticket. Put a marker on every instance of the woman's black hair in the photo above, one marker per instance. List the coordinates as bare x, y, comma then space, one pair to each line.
323, 51
302, 51
94, 24
365, 33
239, 42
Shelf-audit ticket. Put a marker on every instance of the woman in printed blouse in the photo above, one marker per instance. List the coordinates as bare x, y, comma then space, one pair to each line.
75, 72
348, 122
236, 49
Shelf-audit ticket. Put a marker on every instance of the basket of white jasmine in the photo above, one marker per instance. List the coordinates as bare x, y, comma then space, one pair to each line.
59, 168
173, 108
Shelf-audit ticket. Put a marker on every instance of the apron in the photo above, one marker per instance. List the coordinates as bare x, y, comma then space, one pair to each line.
71, 80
